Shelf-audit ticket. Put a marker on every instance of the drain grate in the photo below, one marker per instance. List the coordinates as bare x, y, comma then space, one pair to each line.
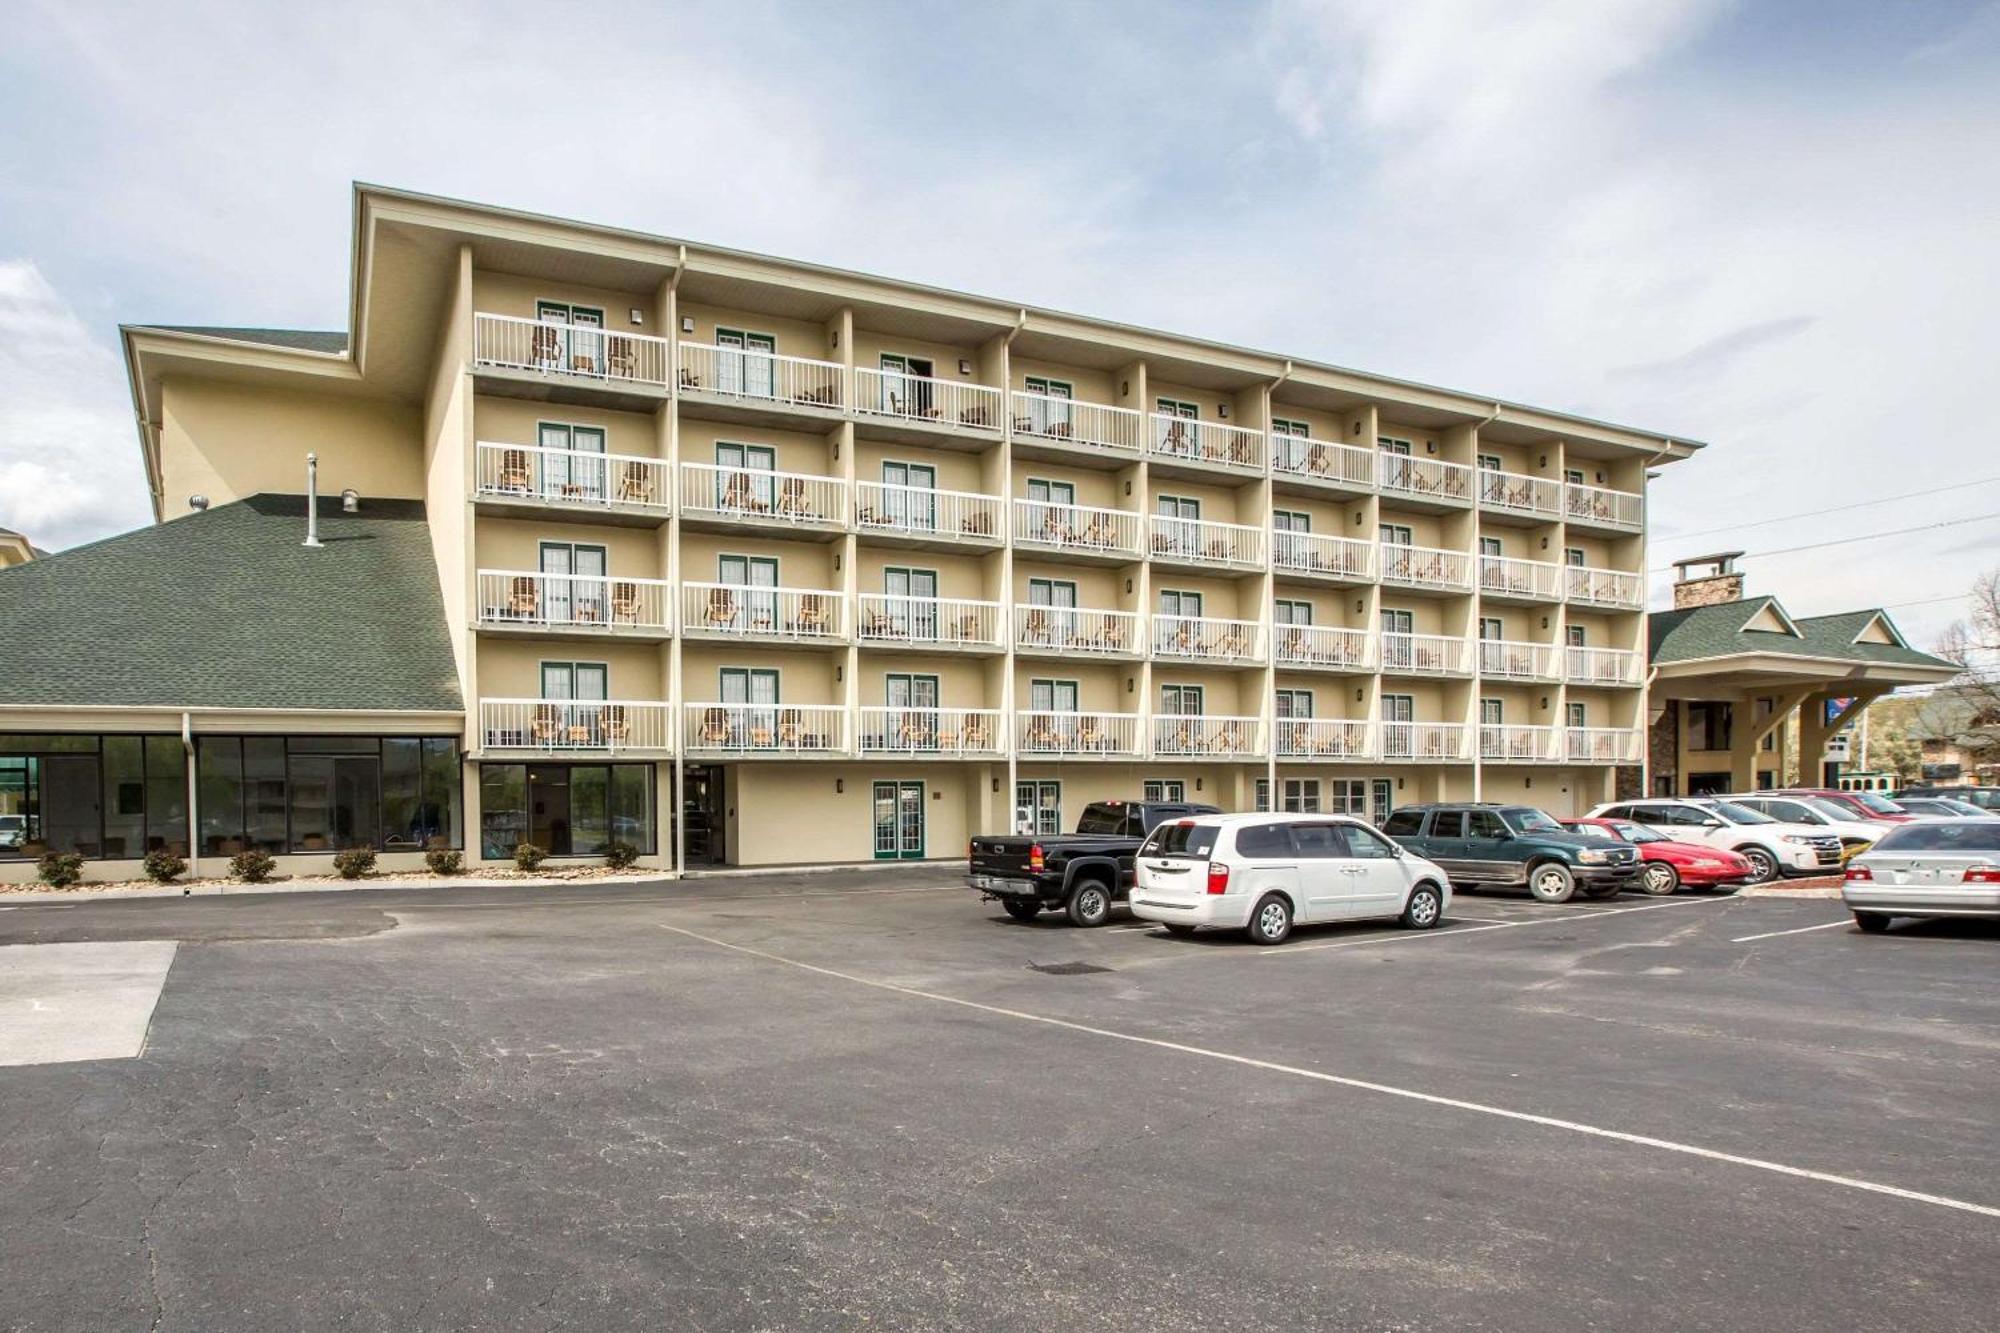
1066, 969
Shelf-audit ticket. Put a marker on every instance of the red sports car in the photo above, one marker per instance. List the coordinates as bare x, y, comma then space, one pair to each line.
1669, 864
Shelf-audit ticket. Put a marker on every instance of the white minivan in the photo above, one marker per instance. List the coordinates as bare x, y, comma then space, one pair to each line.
1262, 873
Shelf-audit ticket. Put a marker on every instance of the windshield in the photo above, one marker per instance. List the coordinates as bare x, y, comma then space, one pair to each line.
1979, 836
1592, 831
1183, 839
1880, 805
1637, 833
1530, 821
1959, 807
1827, 809
1734, 813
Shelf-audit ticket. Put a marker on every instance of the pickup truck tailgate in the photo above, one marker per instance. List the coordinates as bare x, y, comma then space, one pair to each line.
1001, 857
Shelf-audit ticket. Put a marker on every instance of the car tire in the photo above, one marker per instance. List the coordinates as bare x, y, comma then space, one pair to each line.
1551, 882
1659, 879
1872, 922
1020, 910
1180, 929
1089, 904
1763, 865
1425, 909
1270, 920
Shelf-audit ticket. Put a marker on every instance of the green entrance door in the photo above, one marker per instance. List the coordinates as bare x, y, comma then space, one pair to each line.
899, 821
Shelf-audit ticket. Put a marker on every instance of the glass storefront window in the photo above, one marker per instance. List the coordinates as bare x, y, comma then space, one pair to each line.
124, 767
565, 809
219, 771
264, 793
503, 809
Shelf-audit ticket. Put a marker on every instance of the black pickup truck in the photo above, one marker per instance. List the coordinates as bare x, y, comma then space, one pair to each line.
1081, 873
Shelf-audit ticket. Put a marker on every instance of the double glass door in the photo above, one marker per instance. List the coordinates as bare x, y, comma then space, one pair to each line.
744, 477
574, 466
899, 821
745, 363
912, 602
909, 496
754, 582
574, 592
1054, 619
1178, 531
752, 698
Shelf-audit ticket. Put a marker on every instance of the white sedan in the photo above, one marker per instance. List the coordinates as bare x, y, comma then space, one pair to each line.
1947, 867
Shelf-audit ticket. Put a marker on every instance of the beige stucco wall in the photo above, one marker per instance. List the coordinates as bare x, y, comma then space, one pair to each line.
796, 451
503, 420
496, 293
511, 668
803, 677
792, 813
1102, 489
794, 337
800, 564
228, 441
1086, 385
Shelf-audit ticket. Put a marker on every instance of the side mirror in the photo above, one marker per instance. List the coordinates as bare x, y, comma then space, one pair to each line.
1396, 850
1711, 823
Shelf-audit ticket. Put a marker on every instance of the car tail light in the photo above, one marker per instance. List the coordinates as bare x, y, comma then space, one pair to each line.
1981, 875
1036, 860
1859, 874
1218, 877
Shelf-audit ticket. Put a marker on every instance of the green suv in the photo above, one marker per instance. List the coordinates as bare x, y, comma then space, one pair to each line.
1514, 845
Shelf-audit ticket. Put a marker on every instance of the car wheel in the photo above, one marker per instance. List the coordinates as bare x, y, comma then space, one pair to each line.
1180, 928
1872, 922
1022, 910
1659, 879
1551, 882
1089, 904
1425, 908
1270, 920
1763, 865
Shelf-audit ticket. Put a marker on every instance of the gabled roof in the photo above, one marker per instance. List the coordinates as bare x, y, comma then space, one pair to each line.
1769, 618
304, 340
225, 609
1745, 627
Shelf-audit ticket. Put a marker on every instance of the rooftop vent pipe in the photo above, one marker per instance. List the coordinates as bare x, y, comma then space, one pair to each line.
312, 502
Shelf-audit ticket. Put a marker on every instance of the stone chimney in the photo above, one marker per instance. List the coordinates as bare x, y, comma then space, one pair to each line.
1707, 580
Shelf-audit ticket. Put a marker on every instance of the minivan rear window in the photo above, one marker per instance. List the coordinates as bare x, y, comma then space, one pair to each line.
1965, 835
1191, 842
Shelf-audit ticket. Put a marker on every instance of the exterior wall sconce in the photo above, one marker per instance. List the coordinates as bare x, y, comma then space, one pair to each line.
996, 786
1545, 703
1124, 388
1527, 782
964, 366
1545, 622
1399, 784
1360, 605
1545, 461
1222, 411
1128, 485
1128, 586
1430, 446
839, 674
839, 785
1545, 543
1130, 684
638, 317
687, 323
1360, 694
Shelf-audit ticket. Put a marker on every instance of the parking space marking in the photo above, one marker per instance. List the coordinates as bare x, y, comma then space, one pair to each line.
1365, 1085
1799, 930
1285, 950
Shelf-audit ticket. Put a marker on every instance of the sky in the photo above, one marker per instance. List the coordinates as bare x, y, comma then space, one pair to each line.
1774, 227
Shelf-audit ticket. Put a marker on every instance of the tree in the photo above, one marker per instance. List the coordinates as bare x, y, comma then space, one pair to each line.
1973, 723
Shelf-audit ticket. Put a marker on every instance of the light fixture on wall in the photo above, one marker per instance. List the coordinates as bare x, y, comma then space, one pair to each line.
638, 317
1430, 446
1124, 388
1360, 605
1361, 694
1545, 622
197, 502
1545, 703
1128, 585
687, 323
1399, 784
996, 786
1545, 460
1128, 485
839, 673
964, 366
1131, 684
1222, 411
839, 785
1527, 782
1545, 543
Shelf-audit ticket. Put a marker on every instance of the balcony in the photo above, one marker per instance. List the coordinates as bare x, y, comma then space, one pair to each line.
1425, 568
931, 733
942, 624
1505, 579
1603, 745
575, 726
1597, 507
1324, 738
1602, 666
766, 615
924, 401
1607, 588
1423, 483
1205, 445
573, 606
1076, 531
1076, 735
1426, 655
569, 362
1347, 468
783, 731
1325, 647
1504, 744
921, 516
1068, 631
1207, 736
1515, 495
608, 488
1510, 659
1208, 639
715, 498
1316, 555
1073, 428
1427, 742
1200, 541
744, 384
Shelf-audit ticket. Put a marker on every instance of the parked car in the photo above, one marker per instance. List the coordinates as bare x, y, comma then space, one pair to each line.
1940, 807
1771, 847
1263, 873
1986, 798
1666, 865
1082, 873
13, 830
1853, 833
1860, 804
1938, 868
1514, 845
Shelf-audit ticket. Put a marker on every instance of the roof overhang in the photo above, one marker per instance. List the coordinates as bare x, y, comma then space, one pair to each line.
1729, 675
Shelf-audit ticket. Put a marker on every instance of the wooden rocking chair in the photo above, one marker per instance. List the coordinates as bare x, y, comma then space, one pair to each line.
714, 727
515, 475
812, 615
721, 610
635, 485
546, 724
611, 719
524, 598
792, 499
625, 603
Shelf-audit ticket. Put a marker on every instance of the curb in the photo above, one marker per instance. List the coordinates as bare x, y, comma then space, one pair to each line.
232, 889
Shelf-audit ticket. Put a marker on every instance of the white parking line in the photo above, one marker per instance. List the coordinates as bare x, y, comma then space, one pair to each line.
1773, 934
1364, 1085
1286, 950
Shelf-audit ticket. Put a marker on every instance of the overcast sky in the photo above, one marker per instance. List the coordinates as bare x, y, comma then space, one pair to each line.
1771, 226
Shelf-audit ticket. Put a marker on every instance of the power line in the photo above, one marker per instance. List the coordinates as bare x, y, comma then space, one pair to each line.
1926, 601
1849, 541
1837, 509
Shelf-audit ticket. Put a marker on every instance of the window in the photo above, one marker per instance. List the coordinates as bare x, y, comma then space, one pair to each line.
1319, 842
1291, 520
1049, 411
1366, 844
1263, 799
318, 793
1396, 534
1389, 444
1578, 715
1491, 711
1489, 463
1174, 602
1181, 840
1399, 708
1038, 808
1380, 796
1708, 725
1286, 612
565, 809
1051, 492
1263, 840
1486, 824
1574, 635
114, 797
1174, 407
1573, 475
1296, 429
1492, 628
1295, 703
1404, 824
1301, 796
1052, 388
1573, 556
1491, 546
1448, 824
1165, 789
1181, 700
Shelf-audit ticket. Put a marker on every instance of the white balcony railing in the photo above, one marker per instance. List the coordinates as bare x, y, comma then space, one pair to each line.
1512, 659
1602, 666
576, 477
1505, 576
1073, 629
1322, 460
1111, 430
894, 393
708, 371
930, 732
1426, 567
1501, 743
1206, 442
787, 729
573, 351
756, 493
941, 622
1208, 639
881, 506
1518, 493
1596, 506
1081, 528
1209, 735
1426, 654
741, 611
1426, 478
1323, 646
1324, 738
1604, 587
575, 724
1603, 745
535, 600
1317, 553
1432, 741
1237, 545
1046, 732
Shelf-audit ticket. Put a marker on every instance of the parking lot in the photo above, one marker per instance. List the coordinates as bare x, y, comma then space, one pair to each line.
867, 1098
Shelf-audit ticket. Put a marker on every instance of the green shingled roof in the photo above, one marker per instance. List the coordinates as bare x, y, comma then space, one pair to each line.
305, 340
1717, 631
225, 609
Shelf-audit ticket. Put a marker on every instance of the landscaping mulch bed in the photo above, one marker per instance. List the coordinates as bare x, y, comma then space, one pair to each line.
394, 878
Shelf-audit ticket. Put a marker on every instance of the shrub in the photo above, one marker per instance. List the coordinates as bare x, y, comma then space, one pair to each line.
354, 862
253, 866
529, 857
60, 869
444, 861
620, 855
163, 867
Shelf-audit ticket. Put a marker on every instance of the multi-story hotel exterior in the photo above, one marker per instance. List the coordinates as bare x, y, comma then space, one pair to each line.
859, 567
